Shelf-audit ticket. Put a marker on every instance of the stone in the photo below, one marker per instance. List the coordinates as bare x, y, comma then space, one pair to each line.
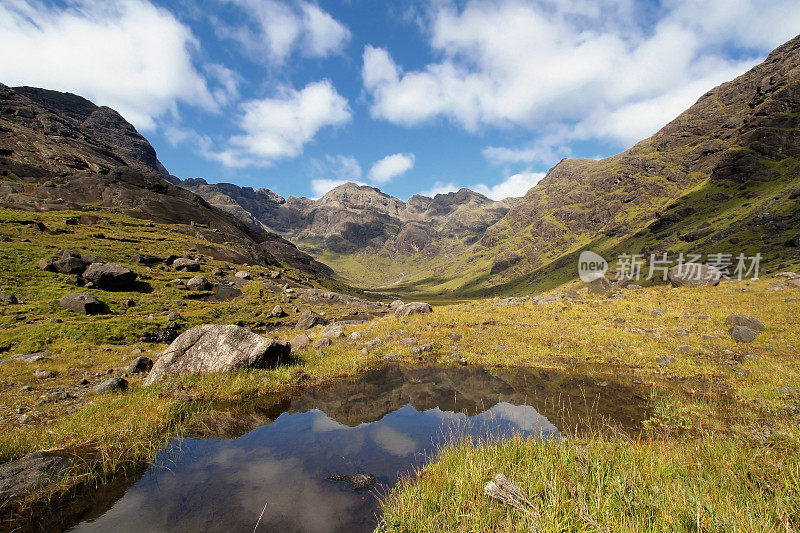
794, 282
745, 320
374, 342
198, 283
217, 272
8, 299
549, 300
393, 357
355, 482
140, 365
242, 274
82, 303
309, 319
786, 275
410, 341
301, 341
274, 274
22, 476
600, 286
395, 304
110, 276
412, 308
683, 349
69, 263
111, 385
333, 331
30, 358
43, 374
216, 348
777, 286
694, 275
743, 334
184, 264
356, 335
665, 360
657, 311
277, 312
324, 342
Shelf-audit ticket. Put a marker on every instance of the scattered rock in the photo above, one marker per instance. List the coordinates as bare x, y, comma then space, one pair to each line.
43, 374
683, 349
184, 264
309, 319
743, 334
455, 336
356, 335
412, 308
355, 481
745, 320
410, 341
665, 360
657, 311
110, 276
82, 303
215, 348
299, 342
777, 286
786, 275
395, 304
333, 331
324, 342
111, 385
549, 300
30, 358
217, 272
8, 299
198, 283
140, 365
694, 275
22, 476
393, 357
242, 274
600, 286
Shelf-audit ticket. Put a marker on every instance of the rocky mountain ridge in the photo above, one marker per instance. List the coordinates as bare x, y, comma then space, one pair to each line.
59, 151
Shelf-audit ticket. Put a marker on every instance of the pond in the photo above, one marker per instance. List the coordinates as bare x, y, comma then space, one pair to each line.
271, 463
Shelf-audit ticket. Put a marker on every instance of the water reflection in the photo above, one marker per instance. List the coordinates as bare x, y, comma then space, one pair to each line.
384, 424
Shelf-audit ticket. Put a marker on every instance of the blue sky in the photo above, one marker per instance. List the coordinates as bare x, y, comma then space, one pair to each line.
411, 97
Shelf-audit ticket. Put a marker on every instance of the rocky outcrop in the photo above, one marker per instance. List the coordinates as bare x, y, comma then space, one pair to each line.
212, 348
82, 303
413, 308
20, 477
110, 276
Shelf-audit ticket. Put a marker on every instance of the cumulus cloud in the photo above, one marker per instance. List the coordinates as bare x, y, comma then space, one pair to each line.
512, 187
617, 73
278, 127
129, 55
282, 29
390, 167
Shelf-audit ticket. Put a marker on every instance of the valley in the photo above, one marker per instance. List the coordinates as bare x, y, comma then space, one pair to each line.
366, 363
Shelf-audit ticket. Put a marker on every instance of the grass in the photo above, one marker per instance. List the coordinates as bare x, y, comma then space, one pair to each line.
711, 412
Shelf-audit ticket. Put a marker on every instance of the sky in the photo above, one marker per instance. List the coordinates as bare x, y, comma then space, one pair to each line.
411, 97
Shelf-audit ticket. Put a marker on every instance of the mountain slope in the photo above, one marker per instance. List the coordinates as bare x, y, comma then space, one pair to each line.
60, 151
366, 235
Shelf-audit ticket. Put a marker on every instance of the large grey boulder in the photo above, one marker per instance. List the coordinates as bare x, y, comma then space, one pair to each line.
186, 265
600, 285
309, 319
82, 303
694, 275
745, 320
743, 334
110, 276
20, 477
198, 283
111, 385
212, 348
412, 308
69, 263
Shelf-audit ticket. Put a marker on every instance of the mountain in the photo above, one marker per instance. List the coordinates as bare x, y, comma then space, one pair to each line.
723, 177
59, 151
356, 228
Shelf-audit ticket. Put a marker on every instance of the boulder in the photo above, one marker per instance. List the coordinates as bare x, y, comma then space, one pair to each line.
277, 312
198, 283
600, 286
743, 334
333, 331
324, 342
665, 360
110, 276
454, 336
111, 385
214, 348
412, 308
745, 320
21, 476
69, 263
140, 365
694, 275
410, 341
186, 265
309, 319
300, 342
243, 274
82, 303
395, 304
7, 298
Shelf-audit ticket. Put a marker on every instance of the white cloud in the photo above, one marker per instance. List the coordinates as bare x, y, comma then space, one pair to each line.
440, 188
390, 167
279, 127
512, 187
129, 55
283, 29
339, 167
228, 90
614, 73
